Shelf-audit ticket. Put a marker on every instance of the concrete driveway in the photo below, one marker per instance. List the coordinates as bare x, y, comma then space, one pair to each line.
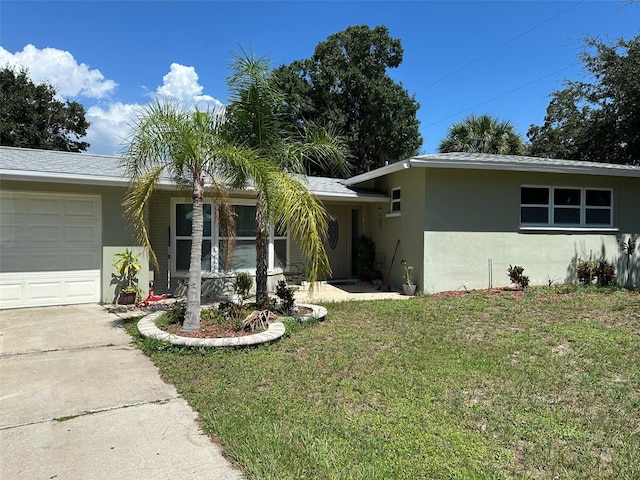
77, 401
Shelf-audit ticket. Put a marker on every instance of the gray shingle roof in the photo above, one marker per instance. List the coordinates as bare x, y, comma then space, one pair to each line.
485, 161
66, 167
43, 164
486, 158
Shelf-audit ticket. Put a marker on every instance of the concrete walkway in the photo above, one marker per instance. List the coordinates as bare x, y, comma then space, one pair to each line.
349, 290
77, 401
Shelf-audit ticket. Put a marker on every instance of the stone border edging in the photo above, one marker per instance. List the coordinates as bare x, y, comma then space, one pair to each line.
147, 328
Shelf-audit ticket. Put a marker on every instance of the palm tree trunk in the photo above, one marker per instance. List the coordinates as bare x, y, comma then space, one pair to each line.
192, 315
262, 252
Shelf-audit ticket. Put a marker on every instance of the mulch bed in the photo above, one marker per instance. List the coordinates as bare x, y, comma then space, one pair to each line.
210, 328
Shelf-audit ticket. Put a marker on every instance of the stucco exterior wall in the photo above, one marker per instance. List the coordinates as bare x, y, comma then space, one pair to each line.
407, 226
477, 260
472, 220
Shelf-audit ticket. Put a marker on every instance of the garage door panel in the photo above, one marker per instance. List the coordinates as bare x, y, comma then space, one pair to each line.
42, 233
51, 251
37, 289
81, 234
10, 262
45, 262
44, 205
79, 261
44, 290
11, 291
81, 207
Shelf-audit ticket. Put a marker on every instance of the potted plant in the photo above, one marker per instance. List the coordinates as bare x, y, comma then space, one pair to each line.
408, 286
128, 266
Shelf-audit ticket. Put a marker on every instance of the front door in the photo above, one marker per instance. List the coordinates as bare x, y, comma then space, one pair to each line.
337, 241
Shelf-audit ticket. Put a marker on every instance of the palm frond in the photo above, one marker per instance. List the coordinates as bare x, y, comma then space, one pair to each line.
135, 204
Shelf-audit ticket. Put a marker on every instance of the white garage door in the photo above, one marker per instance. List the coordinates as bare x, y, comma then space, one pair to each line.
50, 249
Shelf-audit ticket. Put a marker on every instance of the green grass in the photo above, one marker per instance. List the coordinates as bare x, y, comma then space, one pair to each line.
479, 387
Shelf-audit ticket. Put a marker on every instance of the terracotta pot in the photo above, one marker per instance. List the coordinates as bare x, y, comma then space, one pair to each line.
127, 298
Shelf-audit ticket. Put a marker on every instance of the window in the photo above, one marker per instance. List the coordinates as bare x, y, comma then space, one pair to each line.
244, 255
566, 206
182, 236
214, 245
395, 200
280, 246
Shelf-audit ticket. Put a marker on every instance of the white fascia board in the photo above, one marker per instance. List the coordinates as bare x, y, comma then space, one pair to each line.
379, 172
72, 179
30, 176
355, 198
417, 162
595, 169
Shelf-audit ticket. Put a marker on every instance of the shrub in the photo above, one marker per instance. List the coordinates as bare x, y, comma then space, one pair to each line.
177, 312
516, 276
589, 270
285, 294
243, 283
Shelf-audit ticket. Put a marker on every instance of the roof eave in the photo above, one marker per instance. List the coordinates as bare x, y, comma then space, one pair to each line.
595, 169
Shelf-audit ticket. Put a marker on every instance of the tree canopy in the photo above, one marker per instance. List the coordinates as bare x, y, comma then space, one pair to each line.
345, 84
483, 134
32, 117
597, 121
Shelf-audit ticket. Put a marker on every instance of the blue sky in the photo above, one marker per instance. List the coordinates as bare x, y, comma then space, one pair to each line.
501, 58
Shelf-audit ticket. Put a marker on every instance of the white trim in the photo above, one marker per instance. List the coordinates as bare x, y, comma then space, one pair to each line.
393, 215
542, 228
582, 207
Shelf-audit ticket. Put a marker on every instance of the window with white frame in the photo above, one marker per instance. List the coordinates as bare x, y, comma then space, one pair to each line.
396, 198
183, 214
244, 254
214, 244
566, 206
280, 246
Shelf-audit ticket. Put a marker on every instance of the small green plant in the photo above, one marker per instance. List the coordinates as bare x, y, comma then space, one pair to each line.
128, 265
177, 312
407, 278
517, 277
243, 283
599, 270
285, 294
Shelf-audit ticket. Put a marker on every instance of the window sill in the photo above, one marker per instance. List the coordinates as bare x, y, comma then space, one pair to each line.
393, 215
570, 229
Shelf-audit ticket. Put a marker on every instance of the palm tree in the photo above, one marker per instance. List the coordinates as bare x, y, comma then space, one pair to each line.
197, 149
255, 120
483, 134
186, 146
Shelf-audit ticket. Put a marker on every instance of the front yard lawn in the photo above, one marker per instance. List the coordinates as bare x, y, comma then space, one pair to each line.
544, 384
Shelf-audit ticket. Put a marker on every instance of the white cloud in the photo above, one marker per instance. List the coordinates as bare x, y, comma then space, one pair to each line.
60, 69
181, 84
110, 119
110, 127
